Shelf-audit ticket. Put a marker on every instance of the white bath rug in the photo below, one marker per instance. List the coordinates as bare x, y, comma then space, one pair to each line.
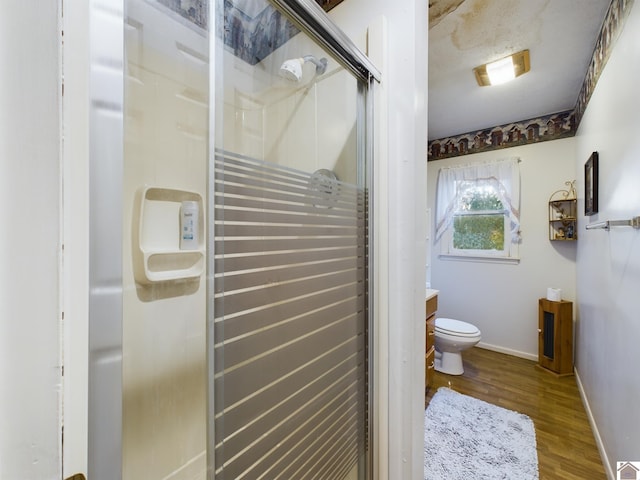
466, 438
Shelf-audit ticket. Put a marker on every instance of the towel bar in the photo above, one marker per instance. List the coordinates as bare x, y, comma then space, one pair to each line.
632, 222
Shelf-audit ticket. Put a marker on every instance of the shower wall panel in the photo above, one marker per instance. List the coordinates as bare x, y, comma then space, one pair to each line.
308, 125
311, 125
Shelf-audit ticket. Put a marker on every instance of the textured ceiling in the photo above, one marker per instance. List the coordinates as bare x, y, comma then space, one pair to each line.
560, 35
438, 9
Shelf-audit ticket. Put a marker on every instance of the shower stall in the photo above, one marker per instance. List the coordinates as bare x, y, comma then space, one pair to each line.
229, 309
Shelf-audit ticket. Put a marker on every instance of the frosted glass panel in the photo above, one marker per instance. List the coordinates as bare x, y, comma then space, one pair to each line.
288, 313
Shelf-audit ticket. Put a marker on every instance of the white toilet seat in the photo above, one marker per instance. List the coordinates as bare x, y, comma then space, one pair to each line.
451, 338
456, 328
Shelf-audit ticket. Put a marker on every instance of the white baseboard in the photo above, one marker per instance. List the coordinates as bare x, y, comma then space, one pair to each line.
594, 428
508, 351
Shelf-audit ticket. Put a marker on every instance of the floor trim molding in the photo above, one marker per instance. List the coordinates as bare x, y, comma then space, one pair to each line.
594, 428
508, 351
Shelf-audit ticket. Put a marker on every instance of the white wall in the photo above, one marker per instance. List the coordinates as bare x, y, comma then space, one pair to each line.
502, 299
30, 373
608, 325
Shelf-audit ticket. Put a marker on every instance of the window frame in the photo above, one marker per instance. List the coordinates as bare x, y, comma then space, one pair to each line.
509, 254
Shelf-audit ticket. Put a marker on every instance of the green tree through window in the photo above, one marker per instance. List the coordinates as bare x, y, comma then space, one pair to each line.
479, 222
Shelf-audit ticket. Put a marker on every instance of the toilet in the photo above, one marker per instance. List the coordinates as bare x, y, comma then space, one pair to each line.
452, 337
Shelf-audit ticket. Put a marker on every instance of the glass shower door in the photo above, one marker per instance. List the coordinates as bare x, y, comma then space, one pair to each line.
242, 353
288, 302
166, 145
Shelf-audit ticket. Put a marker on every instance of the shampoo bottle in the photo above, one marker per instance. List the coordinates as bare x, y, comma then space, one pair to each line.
189, 215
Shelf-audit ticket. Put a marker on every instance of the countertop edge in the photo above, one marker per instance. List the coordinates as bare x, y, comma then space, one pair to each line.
430, 293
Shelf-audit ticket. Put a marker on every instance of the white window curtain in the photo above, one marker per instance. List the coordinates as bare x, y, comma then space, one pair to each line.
506, 175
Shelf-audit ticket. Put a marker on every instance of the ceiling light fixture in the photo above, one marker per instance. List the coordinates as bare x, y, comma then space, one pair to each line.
503, 70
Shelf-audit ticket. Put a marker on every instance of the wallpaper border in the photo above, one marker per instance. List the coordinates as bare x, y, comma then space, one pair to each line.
550, 127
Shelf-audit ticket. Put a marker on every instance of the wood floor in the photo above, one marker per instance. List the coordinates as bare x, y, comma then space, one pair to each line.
566, 446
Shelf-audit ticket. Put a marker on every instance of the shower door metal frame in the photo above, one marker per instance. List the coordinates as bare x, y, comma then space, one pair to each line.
311, 19
315, 22
106, 160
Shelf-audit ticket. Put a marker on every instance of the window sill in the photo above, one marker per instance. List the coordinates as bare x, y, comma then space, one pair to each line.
478, 258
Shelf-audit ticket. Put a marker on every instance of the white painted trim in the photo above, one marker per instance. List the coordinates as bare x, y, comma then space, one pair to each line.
508, 351
594, 428
377, 51
75, 219
478, 258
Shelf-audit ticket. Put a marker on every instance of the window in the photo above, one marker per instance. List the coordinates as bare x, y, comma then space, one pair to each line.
477, 211
480, 220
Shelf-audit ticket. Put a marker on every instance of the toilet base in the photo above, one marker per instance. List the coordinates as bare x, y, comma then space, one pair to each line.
449, 363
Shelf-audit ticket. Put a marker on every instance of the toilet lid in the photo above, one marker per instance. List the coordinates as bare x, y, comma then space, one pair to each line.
456, 327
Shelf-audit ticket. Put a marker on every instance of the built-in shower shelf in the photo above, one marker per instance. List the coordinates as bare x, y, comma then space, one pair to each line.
173, 265
159, 256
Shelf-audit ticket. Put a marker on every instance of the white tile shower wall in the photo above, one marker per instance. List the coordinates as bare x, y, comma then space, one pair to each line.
164, 345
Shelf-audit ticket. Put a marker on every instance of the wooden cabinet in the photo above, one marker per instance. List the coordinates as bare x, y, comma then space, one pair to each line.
555, 328
431, 305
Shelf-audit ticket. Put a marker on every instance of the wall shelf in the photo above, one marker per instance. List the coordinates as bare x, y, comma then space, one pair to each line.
563, 219
159, 257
